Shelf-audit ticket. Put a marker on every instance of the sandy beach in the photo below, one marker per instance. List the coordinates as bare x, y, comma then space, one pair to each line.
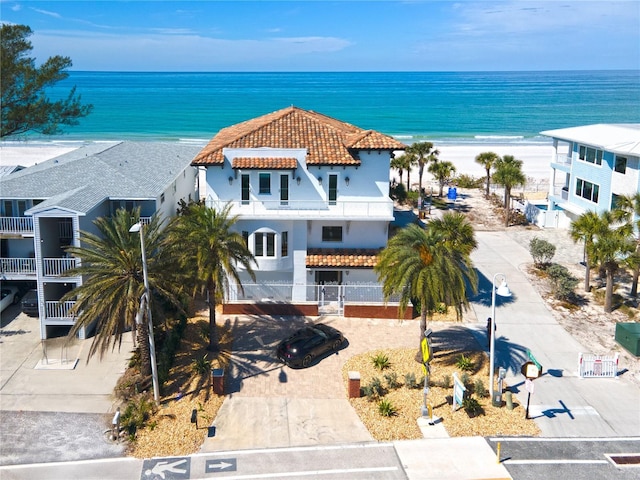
535, 158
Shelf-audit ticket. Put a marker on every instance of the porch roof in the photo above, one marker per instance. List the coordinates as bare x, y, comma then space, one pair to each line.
266, 163
342, 257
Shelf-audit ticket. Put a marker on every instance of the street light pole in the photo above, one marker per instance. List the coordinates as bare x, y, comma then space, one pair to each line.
138, 227
503, 291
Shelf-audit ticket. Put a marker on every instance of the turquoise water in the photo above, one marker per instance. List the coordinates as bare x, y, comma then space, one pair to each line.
447, 106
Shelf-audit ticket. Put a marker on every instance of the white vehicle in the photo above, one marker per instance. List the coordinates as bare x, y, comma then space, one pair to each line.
10, 296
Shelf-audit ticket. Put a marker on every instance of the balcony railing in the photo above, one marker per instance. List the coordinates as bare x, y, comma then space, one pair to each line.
563, 159
308, 209
55, 267
59, 310
562, 192
19, 266
16, 225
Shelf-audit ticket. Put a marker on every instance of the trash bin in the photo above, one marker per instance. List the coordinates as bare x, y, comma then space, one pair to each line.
217, 380
354, 384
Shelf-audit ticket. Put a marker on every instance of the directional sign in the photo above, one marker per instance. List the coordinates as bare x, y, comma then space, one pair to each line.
533, 359
172, 468
221, 465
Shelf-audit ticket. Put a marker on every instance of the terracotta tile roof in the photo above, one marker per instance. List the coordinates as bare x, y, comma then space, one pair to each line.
342, 257
271, 163
328, 141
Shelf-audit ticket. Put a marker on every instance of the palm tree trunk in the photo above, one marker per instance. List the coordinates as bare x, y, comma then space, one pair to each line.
488, 182
143, 347
634, 283
420, 172
408, 179
507, 197
608, 292
587, 275
213, 331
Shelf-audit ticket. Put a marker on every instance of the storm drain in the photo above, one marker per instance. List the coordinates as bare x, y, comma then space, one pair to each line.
625, 459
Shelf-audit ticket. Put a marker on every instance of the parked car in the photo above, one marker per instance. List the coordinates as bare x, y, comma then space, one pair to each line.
299, 349
30, 303
10, 295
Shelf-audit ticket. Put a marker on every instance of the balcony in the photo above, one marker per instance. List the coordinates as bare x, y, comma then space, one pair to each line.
309, 210
55, 310
562, 192
16, 225
18, 266
55, 267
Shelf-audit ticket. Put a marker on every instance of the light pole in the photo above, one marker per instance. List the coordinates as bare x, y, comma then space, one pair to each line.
503, 291
138, 228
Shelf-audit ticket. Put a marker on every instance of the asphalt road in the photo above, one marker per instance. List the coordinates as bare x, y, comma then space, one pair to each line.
370, 461
567, 458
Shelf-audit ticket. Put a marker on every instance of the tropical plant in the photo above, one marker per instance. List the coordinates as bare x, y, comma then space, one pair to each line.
584, 228
612, 245
508, 174
392, 380
424, 153
410, 380
442, 172
204, 242
541, 251
630, 205
471, 406
373, 389
202, 365
113, 281
399, 163
487, 160
479, 389
465, 363
25, 106
427, 266
386, 408
456, 232
405, 162
381, 361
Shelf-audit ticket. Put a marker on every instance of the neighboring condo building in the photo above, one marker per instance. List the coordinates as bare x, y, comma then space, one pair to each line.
43, 208
312, 196
592, 166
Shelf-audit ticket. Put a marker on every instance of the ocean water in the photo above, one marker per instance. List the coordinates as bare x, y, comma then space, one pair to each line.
456, 107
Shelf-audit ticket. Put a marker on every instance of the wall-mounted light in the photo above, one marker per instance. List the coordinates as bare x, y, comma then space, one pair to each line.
346, 180
298, 179
230, 180
320, 180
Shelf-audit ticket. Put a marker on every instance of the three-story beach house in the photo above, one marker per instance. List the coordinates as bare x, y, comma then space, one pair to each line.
43, 208
312, 198
592, 166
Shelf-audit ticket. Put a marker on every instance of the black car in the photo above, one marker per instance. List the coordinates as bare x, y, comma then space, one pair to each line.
303, 346
30, 303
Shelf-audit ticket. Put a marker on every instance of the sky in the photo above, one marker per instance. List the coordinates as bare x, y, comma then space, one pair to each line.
410, 35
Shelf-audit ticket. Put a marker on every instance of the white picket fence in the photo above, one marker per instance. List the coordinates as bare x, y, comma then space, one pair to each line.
590, 365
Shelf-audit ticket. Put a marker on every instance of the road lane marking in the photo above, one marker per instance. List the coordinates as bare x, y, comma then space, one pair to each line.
564, 439
552, 462
307, 473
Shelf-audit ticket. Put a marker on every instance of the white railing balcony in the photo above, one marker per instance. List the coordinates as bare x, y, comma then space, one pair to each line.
562, 192
309, 209
18, 266
55, 267
16, 225
59, 310
563, 159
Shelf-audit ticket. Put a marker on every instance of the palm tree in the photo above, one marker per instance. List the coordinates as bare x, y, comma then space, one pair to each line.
456, 232
630, 205
487, 160
585, 228
508, 174
424, 154
113, 281
399, 164
405, 162
442, 172
429, 267
206, 244
612, 244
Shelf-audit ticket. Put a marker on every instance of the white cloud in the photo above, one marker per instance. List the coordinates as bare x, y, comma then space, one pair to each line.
46, 12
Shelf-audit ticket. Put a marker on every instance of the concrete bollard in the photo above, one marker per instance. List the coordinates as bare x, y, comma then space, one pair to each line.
354, 384
509, 398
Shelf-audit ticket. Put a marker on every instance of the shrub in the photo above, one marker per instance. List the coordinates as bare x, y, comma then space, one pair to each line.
373, 389
479, 389
541, 251
398, 192
465, 364
564, 284
469, 181
445, 382
466, 380
471, 406
386, 408
201, 365
392, 380
136, 414
441, 308
410, 380
381, 361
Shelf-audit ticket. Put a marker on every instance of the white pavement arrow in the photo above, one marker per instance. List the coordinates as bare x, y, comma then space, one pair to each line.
221, 465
